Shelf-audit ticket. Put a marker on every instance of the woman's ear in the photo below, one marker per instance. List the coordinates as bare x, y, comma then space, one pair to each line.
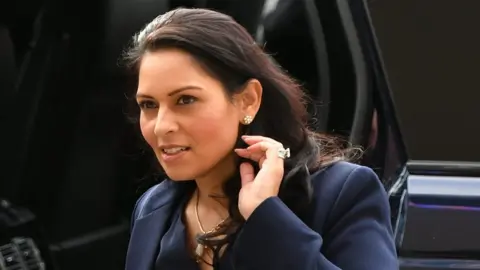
249, 99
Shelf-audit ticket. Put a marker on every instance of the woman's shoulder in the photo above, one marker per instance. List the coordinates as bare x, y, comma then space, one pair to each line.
343, 174
343, 187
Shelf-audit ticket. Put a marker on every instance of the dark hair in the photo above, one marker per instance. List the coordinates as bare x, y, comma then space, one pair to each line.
229, 53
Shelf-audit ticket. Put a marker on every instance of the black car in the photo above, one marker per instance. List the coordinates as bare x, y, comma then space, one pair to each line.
73, 164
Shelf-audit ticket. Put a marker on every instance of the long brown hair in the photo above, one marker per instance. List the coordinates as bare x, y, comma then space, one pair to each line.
229, 53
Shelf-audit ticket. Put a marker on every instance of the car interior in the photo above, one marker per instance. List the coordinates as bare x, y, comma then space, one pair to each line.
73, 160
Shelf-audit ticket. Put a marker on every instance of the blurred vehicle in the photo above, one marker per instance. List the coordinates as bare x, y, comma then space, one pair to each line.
72, 166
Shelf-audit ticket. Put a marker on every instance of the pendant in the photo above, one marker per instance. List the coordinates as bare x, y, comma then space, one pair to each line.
199, 250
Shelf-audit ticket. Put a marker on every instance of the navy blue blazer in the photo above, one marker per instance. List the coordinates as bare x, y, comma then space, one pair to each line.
350, 227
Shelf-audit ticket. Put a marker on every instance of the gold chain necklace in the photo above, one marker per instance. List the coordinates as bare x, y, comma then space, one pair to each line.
200, 249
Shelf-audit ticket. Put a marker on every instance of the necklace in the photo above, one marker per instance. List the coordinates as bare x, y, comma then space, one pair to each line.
200, 249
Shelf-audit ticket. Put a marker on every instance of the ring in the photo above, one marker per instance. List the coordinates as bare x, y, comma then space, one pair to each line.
283, 153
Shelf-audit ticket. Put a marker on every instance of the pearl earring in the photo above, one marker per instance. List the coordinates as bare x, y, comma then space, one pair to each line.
247, 119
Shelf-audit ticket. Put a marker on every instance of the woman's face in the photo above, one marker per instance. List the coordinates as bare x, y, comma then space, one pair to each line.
186, 116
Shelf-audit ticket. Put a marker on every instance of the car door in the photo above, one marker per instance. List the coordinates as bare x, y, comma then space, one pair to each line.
434, 196
430, 53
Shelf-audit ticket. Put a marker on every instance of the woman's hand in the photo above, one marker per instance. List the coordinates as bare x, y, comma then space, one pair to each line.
256, 189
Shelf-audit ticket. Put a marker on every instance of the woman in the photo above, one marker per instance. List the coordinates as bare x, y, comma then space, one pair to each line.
249, 186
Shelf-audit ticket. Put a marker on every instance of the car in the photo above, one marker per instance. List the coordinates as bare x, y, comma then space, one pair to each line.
73, 164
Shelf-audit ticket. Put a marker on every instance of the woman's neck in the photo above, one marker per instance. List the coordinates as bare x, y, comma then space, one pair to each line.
210, 186
211, 195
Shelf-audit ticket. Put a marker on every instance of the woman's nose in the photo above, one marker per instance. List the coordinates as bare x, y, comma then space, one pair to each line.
165, 123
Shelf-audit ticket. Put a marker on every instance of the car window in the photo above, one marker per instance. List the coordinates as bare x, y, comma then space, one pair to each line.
431, 55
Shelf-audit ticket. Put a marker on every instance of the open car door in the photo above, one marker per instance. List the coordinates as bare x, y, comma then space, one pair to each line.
430, 53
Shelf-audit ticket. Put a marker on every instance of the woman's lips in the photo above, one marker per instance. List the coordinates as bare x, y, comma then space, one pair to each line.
173, 153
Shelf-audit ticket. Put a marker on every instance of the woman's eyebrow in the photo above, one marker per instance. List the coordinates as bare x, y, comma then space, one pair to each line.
183, 88
176, 91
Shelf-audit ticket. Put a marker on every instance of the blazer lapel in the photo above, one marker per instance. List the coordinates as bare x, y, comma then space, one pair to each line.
148, 230
146, 236
145, 239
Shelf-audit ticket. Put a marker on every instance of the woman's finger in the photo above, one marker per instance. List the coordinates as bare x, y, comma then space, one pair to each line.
271, 163
261, 147
257, 156
272, 157
247, 173
250, 140
263, 150
253, 155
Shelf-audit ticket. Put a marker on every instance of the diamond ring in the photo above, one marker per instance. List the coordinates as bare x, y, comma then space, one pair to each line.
283, 153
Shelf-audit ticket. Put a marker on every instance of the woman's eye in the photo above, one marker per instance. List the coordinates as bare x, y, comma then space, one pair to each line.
184, 100
147, 104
